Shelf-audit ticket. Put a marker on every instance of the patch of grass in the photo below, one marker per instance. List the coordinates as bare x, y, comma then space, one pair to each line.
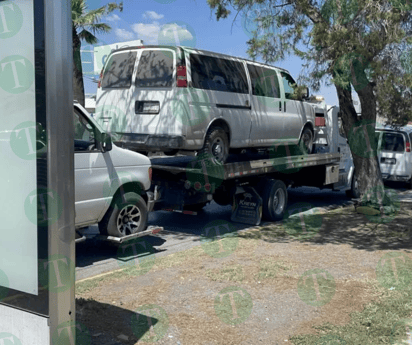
180, 258
88, 285
233, 273
381, 322
269, 268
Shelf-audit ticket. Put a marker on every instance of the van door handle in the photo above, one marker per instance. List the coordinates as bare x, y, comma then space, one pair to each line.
285, 106
280, 105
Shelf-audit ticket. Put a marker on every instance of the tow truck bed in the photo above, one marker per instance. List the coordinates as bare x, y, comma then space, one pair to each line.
242, 165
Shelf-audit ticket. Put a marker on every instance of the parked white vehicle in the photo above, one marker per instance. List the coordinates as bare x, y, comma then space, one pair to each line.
111, 184
394, 153
331, 138
166, 98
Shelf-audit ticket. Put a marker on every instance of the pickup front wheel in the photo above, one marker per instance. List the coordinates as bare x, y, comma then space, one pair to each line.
126, 215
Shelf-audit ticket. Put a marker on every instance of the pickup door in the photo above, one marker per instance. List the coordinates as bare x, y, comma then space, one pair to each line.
91, 172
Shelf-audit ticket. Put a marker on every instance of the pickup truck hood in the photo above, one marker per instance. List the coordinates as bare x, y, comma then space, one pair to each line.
123, 157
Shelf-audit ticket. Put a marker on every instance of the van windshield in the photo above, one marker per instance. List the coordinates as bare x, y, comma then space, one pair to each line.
392, 142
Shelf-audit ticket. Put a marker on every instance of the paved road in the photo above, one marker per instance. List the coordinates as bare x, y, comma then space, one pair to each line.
182, 231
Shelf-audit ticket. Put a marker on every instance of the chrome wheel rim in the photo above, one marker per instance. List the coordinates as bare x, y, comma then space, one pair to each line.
218, 149
128, 220
278, 203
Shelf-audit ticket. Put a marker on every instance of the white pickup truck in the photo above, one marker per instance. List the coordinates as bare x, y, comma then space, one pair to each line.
111, 184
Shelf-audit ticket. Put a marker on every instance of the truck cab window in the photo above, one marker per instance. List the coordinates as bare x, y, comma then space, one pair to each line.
84, 136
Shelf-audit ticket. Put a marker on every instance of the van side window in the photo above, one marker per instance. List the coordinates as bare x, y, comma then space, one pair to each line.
264, 81
218, 74
119, 70
288, 85
155, 69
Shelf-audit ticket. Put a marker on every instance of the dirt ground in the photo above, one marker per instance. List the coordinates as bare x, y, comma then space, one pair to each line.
261, 287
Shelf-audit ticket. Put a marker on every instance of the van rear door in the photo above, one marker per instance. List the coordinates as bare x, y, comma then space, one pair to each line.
392, 153
114, 91
154, 87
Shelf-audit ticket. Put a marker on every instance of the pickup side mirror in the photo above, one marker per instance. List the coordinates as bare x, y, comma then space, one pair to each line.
106, 142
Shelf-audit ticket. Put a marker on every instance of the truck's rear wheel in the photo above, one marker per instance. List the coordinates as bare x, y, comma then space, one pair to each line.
223, 198
126, 216
195, 207
275, 200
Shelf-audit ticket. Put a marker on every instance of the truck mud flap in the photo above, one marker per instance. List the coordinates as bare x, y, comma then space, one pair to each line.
247, 206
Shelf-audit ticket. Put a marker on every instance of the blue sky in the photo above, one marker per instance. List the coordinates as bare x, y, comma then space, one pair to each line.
196, 26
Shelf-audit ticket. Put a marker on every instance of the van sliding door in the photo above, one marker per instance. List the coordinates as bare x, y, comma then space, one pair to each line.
267, 112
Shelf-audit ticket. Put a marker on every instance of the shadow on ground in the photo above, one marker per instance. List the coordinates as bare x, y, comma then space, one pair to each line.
94, 323
343, 226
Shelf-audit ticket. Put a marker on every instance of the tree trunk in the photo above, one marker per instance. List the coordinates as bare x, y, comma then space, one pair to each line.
360, 131
78, 85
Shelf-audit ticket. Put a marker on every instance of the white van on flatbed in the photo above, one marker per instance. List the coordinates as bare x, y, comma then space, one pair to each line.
168, 98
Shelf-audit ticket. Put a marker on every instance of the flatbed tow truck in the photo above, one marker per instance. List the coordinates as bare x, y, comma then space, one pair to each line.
255, 183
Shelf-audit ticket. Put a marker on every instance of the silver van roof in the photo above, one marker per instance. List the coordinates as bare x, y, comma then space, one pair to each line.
201, 51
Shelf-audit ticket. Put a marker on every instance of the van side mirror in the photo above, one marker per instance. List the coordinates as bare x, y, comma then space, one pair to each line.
305, 92
106, 142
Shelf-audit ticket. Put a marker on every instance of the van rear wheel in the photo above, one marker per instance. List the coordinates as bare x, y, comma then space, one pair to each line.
306, 141
216, 145
126, 216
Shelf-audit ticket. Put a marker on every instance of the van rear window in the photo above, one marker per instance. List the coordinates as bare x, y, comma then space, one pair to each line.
119, 70
218, 74
155, 69
393, 142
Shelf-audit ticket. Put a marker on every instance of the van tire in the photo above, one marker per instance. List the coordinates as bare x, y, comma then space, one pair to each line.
115, 223
275, 200
306, 141
216, 145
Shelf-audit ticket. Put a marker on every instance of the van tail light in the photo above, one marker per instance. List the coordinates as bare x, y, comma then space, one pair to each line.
181, 76
408, 147
320, 121
150, 173
99, 84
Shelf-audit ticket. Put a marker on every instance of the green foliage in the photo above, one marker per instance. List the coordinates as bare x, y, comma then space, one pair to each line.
346, 43
88, 22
